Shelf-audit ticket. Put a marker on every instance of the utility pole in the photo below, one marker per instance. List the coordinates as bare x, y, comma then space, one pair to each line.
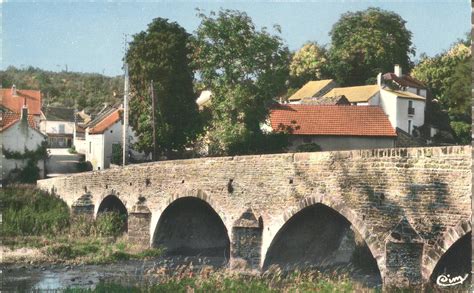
125, 118
153, 120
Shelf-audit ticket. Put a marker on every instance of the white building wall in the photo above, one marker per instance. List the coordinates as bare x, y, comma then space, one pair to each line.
47, 126
418, 119
388, 102
112, 135
16, 138
95, 150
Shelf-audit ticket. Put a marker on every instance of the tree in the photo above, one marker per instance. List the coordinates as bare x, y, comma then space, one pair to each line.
245, 69
367, 42
160, 54
448, 77
308, 63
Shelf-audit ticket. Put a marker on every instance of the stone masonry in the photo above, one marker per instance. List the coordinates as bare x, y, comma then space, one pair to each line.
409, 205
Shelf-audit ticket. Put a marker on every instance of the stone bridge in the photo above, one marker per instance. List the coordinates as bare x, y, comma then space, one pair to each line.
410, 208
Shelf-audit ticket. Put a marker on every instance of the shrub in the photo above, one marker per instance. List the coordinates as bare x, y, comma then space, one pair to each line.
308, 147
28, 211
111, 224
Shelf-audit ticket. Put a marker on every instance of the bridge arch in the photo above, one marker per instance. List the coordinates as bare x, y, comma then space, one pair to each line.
335, 209
455, 238
190, 224
112, 203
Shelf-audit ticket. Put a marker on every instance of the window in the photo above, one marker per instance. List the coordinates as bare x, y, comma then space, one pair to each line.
411, 110
418, 91
409, 127
90, 146
61, 128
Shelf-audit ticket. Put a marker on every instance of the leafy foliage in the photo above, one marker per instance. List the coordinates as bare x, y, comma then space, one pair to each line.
28, 211
448, 77
245, 69
87, 90
364, 43
160, 54
309, 147
308, 63
29, 173
111, 223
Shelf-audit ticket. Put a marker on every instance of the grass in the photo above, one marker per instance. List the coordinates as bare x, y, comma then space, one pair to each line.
36, 219
30, 212
184, 280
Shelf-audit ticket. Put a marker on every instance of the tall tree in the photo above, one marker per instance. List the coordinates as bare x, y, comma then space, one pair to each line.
367, 42
245, 68
448, 77
160, 54
308, 63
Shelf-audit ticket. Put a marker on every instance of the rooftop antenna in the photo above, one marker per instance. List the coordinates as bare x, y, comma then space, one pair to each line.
125, 107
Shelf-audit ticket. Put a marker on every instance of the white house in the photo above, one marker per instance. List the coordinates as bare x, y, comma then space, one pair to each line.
19, 133
405, 109
102, 133
58, 124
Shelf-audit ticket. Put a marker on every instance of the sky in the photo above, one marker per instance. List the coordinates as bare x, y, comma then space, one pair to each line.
89, 36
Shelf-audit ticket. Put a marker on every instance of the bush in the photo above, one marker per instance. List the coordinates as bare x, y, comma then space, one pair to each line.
308, 147
111, 224
72, 150
28, 211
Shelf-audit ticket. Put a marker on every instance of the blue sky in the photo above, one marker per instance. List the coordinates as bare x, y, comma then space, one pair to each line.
88, 37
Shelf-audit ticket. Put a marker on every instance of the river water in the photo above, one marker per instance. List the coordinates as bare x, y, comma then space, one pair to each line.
26, 278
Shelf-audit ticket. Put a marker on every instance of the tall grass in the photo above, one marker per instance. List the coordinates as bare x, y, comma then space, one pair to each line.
31, 212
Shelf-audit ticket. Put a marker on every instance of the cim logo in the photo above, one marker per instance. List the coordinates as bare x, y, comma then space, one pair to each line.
446, 280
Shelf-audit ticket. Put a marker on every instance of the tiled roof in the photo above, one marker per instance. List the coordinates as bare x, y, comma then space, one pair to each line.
404, 80
310, 89
405, 94
337, 100
355, 94
59, 114
9, 119
15, 103
331, 120
106, 122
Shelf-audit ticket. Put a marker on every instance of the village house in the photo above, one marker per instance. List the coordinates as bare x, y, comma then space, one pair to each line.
103, 139
333, 127
58, 124
13, 99
405, 109
20, 134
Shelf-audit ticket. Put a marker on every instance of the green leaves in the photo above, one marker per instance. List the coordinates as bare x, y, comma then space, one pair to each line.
448, 76
245, 68
367, 42
161, 54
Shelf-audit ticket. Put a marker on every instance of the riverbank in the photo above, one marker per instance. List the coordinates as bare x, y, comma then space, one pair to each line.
171, 274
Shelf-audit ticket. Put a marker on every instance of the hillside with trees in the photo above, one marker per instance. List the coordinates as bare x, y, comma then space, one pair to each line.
86, 90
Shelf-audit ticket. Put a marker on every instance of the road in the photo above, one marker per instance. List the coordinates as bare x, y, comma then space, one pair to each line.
61, 162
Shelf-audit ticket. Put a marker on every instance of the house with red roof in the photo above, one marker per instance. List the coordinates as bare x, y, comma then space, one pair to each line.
103, 135
19, 133
333, 127
12, 100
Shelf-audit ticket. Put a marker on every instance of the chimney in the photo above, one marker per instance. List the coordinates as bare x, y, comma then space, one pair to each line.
14, 90
24, 114
379, 80
397, 70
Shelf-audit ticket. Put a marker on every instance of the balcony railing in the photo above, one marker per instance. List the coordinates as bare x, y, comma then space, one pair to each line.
411, 111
